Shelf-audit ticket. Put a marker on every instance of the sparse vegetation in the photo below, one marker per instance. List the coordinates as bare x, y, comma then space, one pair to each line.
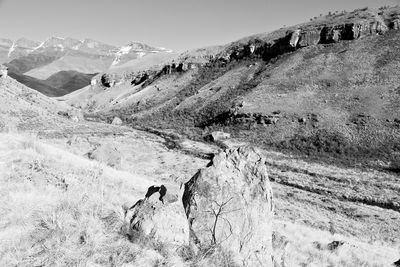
325, 115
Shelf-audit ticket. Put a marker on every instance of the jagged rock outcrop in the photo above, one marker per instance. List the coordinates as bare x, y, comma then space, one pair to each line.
140, 78
294, 38
351, 31
159, 217
107, 153
309, 37
395, 24
229, 204
108, 80
306, 36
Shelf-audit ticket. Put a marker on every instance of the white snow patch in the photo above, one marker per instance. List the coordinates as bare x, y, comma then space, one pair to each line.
116, 61
141, 54
60, 46
77, 47
39, 46
92, 45
12, 48
122, 51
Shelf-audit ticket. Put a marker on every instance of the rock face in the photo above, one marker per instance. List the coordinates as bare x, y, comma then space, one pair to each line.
108, 80
294, 38
107, 154
229, 203
395, 24
307, 36
159, 217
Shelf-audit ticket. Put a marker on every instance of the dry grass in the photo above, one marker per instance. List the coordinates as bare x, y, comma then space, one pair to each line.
297, 245
59, 209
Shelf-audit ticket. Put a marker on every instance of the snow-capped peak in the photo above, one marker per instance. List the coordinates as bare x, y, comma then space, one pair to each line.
12, 48
122, 51
60, 43
135, 50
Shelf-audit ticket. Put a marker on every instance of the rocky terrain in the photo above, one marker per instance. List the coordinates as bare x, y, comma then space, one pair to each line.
154, 163
86, 190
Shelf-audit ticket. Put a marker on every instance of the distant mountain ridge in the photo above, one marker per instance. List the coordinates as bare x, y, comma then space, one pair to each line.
33, 63
10, 50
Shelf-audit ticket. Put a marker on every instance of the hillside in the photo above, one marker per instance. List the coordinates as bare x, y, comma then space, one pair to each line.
24, 109
69, 81
326, 89
48, 177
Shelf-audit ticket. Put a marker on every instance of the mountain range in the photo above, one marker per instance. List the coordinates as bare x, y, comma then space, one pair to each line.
320, 101
61, 65
328, 87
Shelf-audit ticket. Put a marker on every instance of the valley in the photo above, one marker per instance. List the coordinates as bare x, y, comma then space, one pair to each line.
304, 122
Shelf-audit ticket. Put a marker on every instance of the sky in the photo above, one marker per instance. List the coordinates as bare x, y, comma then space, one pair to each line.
175, 24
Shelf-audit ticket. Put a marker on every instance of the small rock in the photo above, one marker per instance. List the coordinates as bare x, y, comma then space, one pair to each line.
334, 245
302, 120
397, 263
271, 120
116, 121
219, 136
72, 114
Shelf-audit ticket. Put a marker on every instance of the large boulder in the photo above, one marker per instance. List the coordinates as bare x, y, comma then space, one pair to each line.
229, 204
108, 154
159, 216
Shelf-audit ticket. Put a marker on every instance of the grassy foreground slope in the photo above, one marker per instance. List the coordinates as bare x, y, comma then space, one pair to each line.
61, 209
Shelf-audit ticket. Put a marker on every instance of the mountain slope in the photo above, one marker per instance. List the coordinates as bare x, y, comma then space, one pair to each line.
25, 109
39, 85
10, 50
73, 61
34, 60
69, 81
